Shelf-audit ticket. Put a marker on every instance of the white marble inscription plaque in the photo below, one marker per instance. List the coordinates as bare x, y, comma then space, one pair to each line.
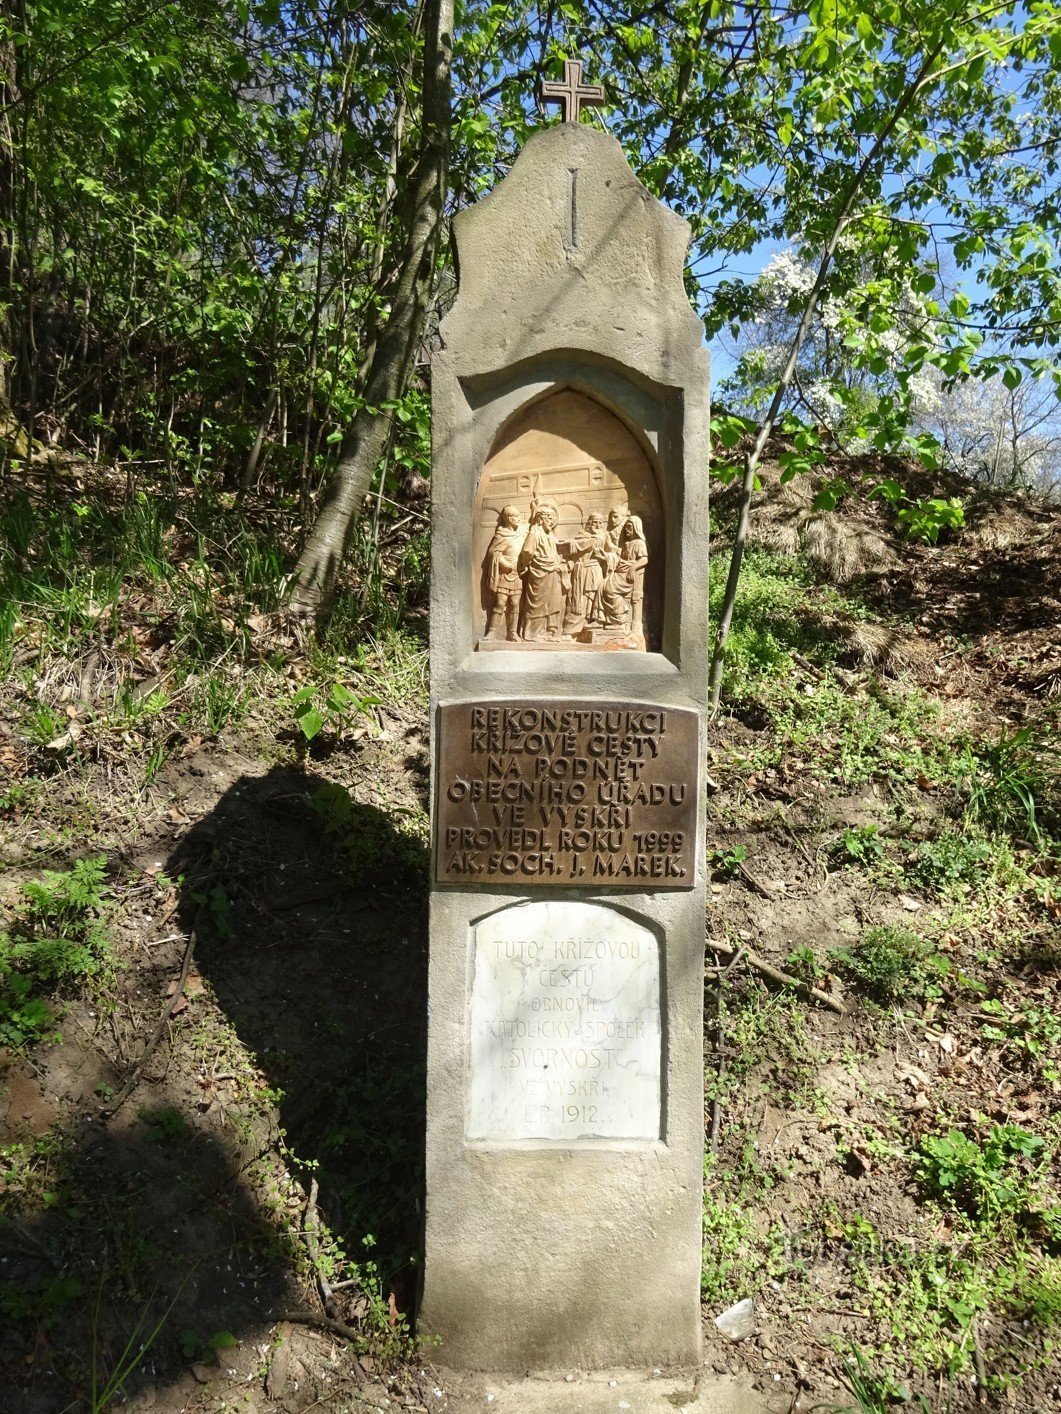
565, 1026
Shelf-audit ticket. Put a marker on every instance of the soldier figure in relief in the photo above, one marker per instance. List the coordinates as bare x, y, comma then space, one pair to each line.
502, 575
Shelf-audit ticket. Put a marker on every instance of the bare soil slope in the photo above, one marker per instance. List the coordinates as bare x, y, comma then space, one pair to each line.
219, 1157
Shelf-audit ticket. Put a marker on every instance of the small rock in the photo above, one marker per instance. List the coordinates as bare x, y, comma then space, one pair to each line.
278, 1377
910, 904
202, 1374
857, 1164
739, 1321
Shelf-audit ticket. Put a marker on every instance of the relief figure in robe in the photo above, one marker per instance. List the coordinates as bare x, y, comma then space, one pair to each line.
617, 518
622, 597
543, 573
503, 584
587, 556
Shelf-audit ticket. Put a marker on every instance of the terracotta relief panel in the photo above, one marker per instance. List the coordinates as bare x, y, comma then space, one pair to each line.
568, 534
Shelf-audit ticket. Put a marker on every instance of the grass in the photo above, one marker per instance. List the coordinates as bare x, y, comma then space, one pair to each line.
148, 622
773, 620
763, 1029
741, 1251
1011, 784
934, 1301
967, 823
1026, 1033
990, 1176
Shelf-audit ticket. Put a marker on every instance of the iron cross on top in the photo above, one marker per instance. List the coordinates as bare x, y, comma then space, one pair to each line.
573, 95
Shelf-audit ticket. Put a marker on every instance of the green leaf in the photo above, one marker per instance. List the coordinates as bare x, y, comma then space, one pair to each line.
310, 722
341, 697
727, 430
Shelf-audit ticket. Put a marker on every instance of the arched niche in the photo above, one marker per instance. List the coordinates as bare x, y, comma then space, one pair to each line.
568, 452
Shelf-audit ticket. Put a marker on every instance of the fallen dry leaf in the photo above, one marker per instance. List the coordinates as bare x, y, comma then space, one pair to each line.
914, 1076
62, 743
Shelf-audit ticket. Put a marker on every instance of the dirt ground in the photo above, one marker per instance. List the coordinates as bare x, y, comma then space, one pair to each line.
274, 1133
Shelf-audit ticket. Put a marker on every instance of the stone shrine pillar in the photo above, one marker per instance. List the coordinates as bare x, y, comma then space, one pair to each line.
565, 1116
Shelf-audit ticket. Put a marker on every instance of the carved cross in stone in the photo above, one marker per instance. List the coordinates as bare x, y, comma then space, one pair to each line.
573, 95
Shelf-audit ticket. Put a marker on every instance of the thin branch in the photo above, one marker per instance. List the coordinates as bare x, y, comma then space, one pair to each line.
786, 979
132, 1080
843, 218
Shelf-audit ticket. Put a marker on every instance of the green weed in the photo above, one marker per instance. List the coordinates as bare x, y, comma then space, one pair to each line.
856, 738
9, 625
923, 520
725, 863
1038, 1297
42, 724
373, 846
767, 619
986, 1178
928, 1298
60, 938
1031, 1033
217, 701
200, 1350
391, 666
861, 844
953, 862
43, 1302
393, 584
802, 963
103, 1393
332, 706
877, 1390
740, 1256
763, 1028
891, 962
216, 906
164, 1124
930, 518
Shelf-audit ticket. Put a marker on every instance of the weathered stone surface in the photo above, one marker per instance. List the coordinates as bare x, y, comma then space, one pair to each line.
552, 1242
565, 1026
572, 251
610, 1392
540, 320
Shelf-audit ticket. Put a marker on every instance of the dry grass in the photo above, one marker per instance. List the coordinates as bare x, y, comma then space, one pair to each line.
1006, 526
841, 547
884, 649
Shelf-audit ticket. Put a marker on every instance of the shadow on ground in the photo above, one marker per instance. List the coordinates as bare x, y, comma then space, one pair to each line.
176, 1211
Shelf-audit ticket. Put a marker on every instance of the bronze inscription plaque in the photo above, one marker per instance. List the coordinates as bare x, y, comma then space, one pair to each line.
601, 794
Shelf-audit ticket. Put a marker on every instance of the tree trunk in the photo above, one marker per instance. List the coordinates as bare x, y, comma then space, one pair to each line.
388, 374
14, 440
